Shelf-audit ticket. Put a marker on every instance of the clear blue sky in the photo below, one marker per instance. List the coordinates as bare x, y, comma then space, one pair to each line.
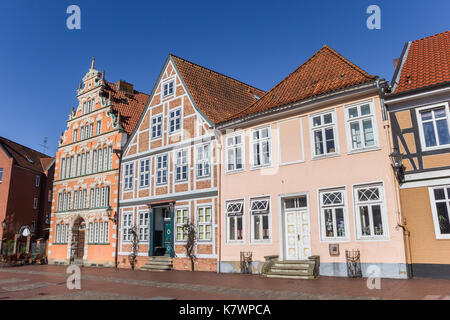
258, 42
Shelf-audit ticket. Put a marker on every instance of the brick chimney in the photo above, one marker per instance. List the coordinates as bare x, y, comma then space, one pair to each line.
125, 86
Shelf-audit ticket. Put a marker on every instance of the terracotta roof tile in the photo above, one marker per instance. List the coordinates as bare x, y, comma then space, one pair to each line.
26, 157
427, 63
216, 95
324, 72
130, 106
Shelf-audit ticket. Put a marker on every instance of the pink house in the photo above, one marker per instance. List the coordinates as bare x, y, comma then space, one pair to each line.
306, 171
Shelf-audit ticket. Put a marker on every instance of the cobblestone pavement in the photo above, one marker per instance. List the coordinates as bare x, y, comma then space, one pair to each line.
49, 282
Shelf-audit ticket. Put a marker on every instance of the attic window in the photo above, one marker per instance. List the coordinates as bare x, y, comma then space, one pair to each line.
168, 89
29, 159
342, 76
256, 97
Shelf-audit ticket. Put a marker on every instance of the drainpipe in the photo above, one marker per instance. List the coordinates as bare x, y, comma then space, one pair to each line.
118, 152
219, 201
400, 224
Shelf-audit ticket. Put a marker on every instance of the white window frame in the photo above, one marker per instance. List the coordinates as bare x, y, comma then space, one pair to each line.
163, 89
322, 127
235, 215
176, 224
252, 218
38, 180
233, 147
357, 218
127, 216
343, 205
174, 118
260, 141
144, 175
204, 224
158, 124
162, 169
98, 127
35, 203
128, 176
360, 118
437, 229
420, 125
143, 226
203, 160
181, 162
1, 175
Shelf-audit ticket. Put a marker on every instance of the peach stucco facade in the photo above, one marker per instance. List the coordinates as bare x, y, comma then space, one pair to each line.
293, 172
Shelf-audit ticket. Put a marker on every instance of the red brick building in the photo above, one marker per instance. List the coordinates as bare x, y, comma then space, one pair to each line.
26, 180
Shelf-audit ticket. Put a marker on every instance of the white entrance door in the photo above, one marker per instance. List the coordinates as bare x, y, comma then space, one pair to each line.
297, 235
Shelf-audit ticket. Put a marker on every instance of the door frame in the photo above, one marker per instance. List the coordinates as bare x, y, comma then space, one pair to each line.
170, 204
282, 218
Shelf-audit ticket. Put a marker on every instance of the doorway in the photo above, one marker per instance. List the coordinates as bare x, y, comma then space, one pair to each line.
297, 235
78, 238
162, 239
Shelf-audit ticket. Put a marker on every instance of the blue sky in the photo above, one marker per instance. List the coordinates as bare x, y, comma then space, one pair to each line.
257, 42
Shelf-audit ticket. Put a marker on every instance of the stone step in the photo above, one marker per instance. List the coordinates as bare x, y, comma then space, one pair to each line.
161, 258
289, 276
293, 265
155, 262
292, 271
157, 267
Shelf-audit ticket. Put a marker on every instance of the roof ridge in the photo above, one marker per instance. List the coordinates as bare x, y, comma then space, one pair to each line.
113, 84
213, 71
431, 36
43, 155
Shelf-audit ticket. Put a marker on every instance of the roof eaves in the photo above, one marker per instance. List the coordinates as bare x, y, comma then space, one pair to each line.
398, 70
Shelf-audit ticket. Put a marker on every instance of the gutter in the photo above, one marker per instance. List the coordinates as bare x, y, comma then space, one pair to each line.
119, 155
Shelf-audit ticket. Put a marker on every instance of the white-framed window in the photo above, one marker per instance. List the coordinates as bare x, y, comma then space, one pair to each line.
234, 153
161, 169
333, 215
174, 120
181, 165
38, 179
98, 127
143, 226
261, 147
128, 176
361, 125
434, 126
62, 233
235, 220
324, 140
127, 225
203, 161
181, 218
156, 126
204, 223
100, 160
1, 174
440, 208
260, 219
75, 135
168, 88
370, 212
144, 173
35, 203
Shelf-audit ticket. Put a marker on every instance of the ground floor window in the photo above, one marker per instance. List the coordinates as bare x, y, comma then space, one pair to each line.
204, 222
127, 225
370, 212
181, 218
440, 203
260, 211
333, 214
235, 213
62, 233
143, 226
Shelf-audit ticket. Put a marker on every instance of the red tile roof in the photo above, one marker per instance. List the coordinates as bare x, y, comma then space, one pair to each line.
324, 72
26, 157
216, 95
427, 63
130, 106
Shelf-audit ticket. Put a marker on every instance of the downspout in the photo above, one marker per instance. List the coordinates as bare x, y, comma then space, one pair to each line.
119, 155
400, 219
219, 201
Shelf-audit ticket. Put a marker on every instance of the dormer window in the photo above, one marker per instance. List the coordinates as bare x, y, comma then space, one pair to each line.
29, 159
167, 89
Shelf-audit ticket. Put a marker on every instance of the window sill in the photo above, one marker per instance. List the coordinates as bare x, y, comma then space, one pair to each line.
203, 178
376, 148
326, 156
383, 238
443, 147
340, 240
235, 171
252, 168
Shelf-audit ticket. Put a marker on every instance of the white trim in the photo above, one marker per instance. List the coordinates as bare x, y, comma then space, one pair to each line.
420, 125
437, 230
416, 96
333, 125
302, 142
227, 226
259, 141
269, 220
344, 206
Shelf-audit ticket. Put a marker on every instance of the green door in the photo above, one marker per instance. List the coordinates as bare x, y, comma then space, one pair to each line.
168, 233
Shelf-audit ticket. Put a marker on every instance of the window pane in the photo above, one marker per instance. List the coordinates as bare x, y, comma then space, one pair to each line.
239, 228
365, 222
265, 227
439, 113
330, 140
256, 227
316, 121
368, 133
327, 118
377, 222
356, 135
439, 194
318, 142
238, 158
340, 226
443, 219
232, 228
353, 112
266, 155
426, 115
329, 228
365, 109
442, 130
428, 132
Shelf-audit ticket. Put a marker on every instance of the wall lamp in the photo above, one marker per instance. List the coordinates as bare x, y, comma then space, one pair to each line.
397, 165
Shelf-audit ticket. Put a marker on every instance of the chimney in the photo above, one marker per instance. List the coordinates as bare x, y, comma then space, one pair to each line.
396, 62
125, 86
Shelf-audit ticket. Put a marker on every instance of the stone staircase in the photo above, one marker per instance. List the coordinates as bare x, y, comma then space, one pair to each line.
158, 263
293, 269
